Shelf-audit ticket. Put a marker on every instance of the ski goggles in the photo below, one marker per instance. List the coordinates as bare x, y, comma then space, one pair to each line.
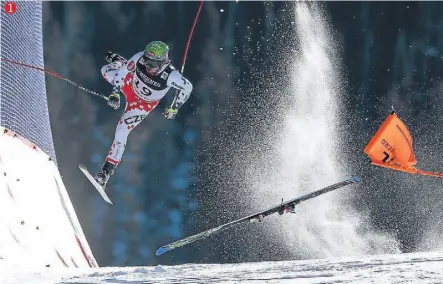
154, 62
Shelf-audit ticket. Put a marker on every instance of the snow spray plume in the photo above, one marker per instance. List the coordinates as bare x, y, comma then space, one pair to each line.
280, 142
308, 152
303, 153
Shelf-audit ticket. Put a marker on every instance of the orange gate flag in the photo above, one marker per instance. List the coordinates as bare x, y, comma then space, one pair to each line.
391, 147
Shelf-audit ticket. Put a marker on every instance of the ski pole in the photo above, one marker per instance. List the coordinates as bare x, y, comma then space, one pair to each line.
187, 47
190, 36
57, 76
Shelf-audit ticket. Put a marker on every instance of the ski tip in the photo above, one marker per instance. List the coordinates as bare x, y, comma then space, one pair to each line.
82, 166
106, 197
356, 179
161, 251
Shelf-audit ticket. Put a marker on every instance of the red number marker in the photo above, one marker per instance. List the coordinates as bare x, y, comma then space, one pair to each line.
10, 7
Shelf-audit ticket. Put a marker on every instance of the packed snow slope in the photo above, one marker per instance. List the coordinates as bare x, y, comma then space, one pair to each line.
395, 268
38, 225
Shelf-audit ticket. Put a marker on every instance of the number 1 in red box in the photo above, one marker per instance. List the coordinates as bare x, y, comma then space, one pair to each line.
10, 7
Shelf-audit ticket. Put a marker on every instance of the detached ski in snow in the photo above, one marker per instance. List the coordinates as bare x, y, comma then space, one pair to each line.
99, 188
284, 207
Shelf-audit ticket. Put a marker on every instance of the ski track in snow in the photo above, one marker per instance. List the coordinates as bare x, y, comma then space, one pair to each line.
424, 267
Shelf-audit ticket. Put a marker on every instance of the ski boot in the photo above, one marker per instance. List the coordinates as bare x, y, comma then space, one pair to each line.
114, 57
107, 171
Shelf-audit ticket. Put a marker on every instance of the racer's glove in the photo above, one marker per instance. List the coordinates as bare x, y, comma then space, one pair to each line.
170, 113
113, 57
114, 100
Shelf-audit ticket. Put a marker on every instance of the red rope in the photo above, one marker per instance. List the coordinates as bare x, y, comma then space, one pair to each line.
34, 67
55, 75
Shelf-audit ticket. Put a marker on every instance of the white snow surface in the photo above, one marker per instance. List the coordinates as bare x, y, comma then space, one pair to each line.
38, 225
423, 267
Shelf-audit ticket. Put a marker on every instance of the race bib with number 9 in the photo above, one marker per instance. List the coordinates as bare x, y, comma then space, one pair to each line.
140, 88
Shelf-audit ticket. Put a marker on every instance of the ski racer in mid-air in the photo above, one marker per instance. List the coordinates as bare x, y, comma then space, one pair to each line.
144, 80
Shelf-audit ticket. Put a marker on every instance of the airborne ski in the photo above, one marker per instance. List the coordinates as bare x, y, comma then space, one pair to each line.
282, 208
98, 187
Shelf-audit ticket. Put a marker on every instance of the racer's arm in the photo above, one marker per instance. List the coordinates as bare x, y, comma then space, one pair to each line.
177, 81
127, 67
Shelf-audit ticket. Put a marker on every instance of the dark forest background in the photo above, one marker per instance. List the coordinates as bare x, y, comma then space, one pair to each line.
172, 171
